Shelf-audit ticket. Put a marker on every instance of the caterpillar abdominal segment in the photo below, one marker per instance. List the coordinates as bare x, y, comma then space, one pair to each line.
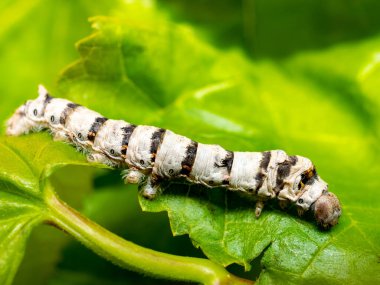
150, 155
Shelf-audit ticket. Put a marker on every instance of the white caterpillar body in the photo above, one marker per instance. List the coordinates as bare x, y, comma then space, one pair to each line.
150, 155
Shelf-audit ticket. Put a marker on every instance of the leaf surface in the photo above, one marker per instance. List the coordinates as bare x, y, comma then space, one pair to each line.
25, 164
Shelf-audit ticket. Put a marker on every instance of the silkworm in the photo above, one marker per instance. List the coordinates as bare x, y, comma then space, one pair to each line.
150, 155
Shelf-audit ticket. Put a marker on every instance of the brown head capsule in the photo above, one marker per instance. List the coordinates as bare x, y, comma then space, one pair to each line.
312, 195
327, 210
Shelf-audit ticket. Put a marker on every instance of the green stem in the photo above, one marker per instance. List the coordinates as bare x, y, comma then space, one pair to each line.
129, 255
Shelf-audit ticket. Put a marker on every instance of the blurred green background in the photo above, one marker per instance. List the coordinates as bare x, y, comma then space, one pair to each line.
37, 41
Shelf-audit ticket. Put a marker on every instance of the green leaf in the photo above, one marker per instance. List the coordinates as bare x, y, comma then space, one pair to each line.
25, 164
154, 71
46, 245
17, 218
275, 28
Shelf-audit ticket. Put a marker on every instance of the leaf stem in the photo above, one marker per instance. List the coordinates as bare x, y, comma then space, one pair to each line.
129, 255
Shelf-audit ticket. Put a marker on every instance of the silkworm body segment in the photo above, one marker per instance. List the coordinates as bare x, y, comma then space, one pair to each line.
150, 155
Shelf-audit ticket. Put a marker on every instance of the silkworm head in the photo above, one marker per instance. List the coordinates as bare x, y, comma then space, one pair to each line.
327, 210
313, 195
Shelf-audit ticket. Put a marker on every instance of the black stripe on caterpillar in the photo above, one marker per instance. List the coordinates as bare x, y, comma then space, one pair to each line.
150, 155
